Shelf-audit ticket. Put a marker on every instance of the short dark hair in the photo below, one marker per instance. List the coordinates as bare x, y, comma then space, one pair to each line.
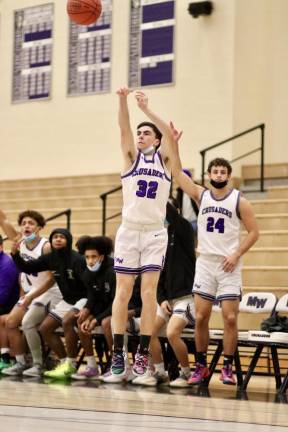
157, 132
1, 240
38, 217
220, 162
102, 244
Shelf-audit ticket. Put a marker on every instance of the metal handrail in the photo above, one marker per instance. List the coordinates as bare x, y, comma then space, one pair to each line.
66, 212
261, 149
103, 197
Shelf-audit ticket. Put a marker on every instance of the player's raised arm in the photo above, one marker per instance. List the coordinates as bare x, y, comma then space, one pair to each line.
127, 140
7, 226
183, 181
142, 101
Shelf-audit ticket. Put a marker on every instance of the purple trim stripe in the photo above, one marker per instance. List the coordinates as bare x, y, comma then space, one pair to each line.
150, 268
56, 317
133, 168
201, 197
237, 205
162, 163
221, 199
229, 297
148, 160
204, 295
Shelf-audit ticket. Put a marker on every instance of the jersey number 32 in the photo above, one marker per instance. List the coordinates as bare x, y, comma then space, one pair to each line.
147, 189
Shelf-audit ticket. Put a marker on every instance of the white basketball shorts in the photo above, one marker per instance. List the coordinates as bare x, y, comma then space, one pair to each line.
139, 251
182, 307
211, 282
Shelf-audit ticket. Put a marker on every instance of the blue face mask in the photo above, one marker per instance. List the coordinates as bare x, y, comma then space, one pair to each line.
30, 238
95, 267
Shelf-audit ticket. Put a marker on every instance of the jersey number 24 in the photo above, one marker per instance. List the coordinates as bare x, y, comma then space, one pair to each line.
212, 225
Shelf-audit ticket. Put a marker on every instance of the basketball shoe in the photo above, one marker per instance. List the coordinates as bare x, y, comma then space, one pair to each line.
227, 376
201, 372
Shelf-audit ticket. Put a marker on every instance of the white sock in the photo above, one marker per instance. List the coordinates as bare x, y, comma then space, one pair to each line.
159, 367
91, 361
5, 350
186, 371
20, 358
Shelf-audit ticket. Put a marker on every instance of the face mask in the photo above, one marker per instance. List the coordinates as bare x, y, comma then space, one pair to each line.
218, 185
30, 238
95, 267
148, 150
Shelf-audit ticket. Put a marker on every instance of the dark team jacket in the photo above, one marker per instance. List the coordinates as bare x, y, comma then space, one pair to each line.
177, 277
66, 265
101, 287
179, 200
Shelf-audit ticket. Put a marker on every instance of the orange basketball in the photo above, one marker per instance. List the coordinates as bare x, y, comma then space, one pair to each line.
84, 12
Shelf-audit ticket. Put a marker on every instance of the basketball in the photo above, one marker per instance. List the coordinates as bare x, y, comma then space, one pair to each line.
84, 12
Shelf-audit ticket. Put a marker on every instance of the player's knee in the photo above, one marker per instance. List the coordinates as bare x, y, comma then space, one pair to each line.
45, 329
230, 319
172, 335
11, 323
201, 318
68, 322
26, 324
122, 297
147, 295
106, 324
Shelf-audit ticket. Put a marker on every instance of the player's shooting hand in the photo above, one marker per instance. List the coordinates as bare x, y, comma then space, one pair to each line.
175, 133
165, 306
230, 262
142, 99
123, 91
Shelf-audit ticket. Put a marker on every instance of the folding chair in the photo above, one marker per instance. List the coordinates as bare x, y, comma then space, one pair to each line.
259, 303
282, 307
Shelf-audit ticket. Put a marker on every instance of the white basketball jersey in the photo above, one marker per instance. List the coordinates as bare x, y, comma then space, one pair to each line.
146, 188
32, 281
219, 224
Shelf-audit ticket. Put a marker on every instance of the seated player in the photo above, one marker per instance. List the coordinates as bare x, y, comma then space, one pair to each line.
32, 246
99, 280
175, 303
67, 266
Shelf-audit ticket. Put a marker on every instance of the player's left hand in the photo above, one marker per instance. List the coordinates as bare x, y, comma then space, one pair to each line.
230, 262
142, 99
175, 133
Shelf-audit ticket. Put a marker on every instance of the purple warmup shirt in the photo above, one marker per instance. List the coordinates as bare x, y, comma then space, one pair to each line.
9, 287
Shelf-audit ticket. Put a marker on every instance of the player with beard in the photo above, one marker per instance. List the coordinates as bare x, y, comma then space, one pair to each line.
222, 209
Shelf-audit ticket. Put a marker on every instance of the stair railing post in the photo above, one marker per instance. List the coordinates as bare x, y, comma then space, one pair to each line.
262, 157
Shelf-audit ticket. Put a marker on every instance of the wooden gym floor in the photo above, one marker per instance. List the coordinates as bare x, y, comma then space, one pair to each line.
31, 405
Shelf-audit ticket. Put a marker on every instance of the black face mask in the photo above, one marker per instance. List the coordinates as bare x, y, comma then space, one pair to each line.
218, 185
